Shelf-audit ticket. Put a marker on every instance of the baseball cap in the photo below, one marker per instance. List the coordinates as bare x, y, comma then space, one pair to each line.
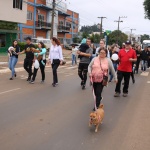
128, 42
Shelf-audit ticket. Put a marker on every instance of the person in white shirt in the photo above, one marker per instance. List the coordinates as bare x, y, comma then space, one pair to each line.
102, 45
74, 54
55, 58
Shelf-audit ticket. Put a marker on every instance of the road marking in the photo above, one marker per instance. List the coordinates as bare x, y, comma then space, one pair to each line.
148, 81
9, 91
144, 73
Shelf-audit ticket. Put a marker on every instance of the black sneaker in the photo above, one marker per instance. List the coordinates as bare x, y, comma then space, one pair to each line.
125, 94
32, 82
11, 78
133, 81
83, 87
82, 82
28, 79
15, 75
53, 84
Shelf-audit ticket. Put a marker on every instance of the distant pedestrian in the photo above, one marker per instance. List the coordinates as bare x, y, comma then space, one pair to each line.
13, 58
113, 50
42, 62
84, 61
149, 57
138, 54
102, 45
28, 61
145, 57
94, 51
74, 55
97, 69
55, 58
126, 57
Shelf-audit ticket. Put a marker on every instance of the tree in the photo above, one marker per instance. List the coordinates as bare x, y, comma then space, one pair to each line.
147, 9
90, 29
145, 37
117, 36
85, 35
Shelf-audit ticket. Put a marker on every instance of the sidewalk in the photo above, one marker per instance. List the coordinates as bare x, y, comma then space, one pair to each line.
19, 66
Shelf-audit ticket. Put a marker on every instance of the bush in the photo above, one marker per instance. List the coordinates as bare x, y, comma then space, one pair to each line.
22, 45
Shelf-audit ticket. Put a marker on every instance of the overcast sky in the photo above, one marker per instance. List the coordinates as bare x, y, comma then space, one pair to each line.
89, 10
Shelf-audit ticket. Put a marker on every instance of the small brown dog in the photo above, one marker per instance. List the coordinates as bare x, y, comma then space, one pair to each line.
97, 117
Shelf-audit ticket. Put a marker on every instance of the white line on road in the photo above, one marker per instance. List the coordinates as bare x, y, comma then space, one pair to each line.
144, 73
10, 91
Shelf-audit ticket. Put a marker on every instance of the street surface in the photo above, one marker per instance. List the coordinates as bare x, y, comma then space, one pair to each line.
41, 117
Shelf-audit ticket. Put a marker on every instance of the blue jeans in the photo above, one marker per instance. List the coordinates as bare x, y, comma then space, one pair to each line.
115, 67
144, 65
74, 61
12, 63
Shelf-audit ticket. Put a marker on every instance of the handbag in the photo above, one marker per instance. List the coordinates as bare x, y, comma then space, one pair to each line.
105, 78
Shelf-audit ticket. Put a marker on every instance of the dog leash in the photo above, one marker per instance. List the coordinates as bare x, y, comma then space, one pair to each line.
91, 80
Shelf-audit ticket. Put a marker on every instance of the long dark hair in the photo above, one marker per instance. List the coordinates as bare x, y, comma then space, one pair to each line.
56, 41
43, 46
13, 43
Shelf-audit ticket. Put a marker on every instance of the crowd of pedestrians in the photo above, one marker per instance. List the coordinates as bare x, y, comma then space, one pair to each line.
98, 62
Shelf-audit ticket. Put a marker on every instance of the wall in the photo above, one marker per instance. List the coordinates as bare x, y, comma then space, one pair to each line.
8, 13
9, 39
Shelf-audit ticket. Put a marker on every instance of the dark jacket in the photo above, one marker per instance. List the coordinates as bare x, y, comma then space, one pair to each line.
145, 55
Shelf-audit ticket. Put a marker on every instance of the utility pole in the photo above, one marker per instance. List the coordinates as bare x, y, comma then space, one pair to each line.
53, 15
131, 34
119, 21
101, 25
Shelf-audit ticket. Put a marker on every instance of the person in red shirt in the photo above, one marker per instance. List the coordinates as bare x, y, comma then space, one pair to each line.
126, 57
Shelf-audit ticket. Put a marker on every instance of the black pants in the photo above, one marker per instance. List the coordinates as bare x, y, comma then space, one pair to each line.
82, 71
42, 68
132, 75
55, 65
126, 76
98, 88
137, 65
28, 66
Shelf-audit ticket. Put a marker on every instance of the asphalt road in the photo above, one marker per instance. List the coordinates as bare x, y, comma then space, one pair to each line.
40, 117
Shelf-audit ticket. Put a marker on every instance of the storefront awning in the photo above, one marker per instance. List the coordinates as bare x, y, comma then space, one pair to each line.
9, 31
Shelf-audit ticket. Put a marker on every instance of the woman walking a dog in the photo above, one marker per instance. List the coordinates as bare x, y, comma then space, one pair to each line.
98, 71
55, 58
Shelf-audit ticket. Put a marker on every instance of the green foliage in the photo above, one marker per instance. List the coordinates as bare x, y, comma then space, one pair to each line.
117, 36
8, 25
22, 45
147, 8
76, 40
95, 38
90, 29
145, 37
85, 35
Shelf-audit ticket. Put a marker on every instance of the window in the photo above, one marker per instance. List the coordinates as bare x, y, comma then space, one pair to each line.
29, 15
61, 23
2, 40
41, 18
17, 4
68, 24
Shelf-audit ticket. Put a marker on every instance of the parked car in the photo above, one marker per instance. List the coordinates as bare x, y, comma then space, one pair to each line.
47, 42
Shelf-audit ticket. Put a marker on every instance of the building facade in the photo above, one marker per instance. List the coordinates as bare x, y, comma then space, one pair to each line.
16, 13
38, 23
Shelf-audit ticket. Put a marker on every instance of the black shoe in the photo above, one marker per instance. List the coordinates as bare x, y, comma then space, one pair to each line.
83, 87
133, 81
15, 75
82, 82
53, 84
32, 82
11, 78
28, 79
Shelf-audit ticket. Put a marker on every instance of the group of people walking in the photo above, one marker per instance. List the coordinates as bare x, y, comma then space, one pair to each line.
97, 62
31, 54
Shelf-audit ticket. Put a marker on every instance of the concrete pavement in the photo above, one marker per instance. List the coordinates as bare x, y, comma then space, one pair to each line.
40, 117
